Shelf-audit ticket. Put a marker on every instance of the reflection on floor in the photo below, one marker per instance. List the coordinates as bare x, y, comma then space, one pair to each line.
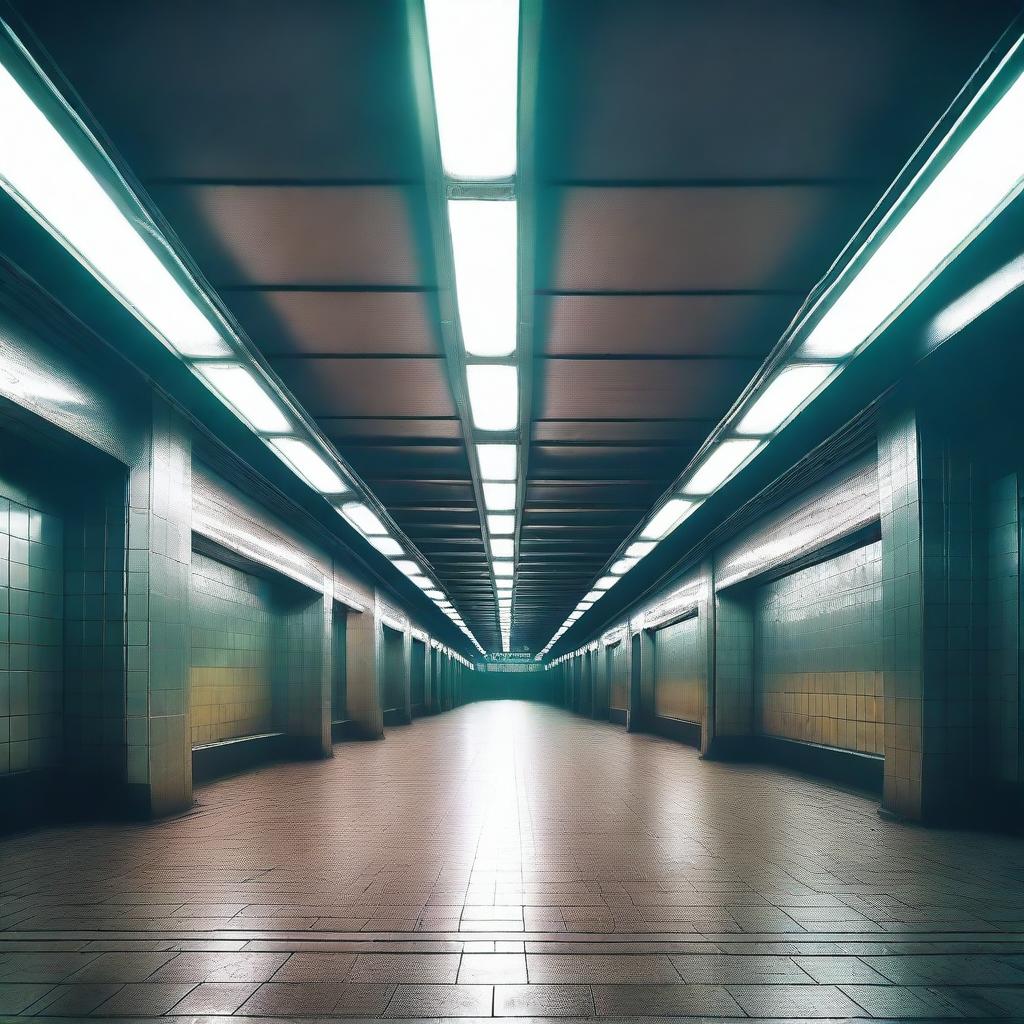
511, 859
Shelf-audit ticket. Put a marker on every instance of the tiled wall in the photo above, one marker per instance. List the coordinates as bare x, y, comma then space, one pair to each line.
618, 684
31, 632
999, 708
679, 671
232, 673
818, 657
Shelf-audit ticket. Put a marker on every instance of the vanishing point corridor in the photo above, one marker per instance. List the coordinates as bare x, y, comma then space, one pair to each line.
512, 859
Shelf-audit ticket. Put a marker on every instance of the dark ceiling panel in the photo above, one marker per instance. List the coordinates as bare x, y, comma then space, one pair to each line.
349, 429
342, 323
329, 235
682, 431
249, 89
745, 89
641, 389
722, 325
668, 239
369, 387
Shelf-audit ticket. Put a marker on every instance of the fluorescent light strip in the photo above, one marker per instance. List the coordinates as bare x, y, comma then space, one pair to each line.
484, 250
363, 519
497, 461
42, 173
387, 546
788, 392
721, 462
503, 547
977, 179
499, 497
310, 465
493, 395
667, 518
501, 524
474, 55
237, 387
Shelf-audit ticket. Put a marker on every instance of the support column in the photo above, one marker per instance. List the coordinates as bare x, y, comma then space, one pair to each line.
926, 516
158, 739
365, 657
305, 668
406, 708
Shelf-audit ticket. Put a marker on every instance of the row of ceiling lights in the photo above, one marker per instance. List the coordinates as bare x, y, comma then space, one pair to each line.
474, 69
971, 175
48, 173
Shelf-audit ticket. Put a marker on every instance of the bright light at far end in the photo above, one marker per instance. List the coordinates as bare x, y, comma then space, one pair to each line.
484, 247
720, 464
497, 461
308, 464
493, 396
474, 67
667, 518
364, 520
237, 386
787, 392
986, 169
41, 171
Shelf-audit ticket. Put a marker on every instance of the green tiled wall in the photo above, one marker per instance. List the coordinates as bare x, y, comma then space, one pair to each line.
679, 671
232, 673
818, 654
31, 633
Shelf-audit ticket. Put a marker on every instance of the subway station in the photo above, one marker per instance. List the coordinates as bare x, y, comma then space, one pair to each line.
511, 509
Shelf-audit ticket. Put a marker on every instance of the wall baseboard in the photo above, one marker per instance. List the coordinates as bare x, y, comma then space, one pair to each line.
213, 760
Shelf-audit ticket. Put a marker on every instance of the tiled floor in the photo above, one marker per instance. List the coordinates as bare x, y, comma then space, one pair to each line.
513, 860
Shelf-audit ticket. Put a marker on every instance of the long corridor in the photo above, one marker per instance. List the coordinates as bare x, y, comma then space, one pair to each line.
511, 859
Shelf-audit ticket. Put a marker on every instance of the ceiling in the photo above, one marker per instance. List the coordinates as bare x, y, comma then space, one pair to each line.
697, 165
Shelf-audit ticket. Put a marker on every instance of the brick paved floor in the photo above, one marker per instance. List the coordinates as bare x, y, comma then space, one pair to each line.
513, 860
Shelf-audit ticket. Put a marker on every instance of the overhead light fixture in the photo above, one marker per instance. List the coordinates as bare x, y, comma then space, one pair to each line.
484, 250
788, 392
503, 584
623, 565
720, 464
640, 548
503, 547
312, 467
501, 524
584, 606
497, 461
422, 582
387, 546
574, 616
667, 518
408, 567
977, 179
499, 497
474, 69
363, 519
41, 172
493, 395
241, 391
606, 582
503, 567
593, 595
434, 595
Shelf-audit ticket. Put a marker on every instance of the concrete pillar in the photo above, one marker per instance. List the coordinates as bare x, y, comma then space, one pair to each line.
925, 499
158, 768
641, 681
304, 665
406, 708
365, 656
